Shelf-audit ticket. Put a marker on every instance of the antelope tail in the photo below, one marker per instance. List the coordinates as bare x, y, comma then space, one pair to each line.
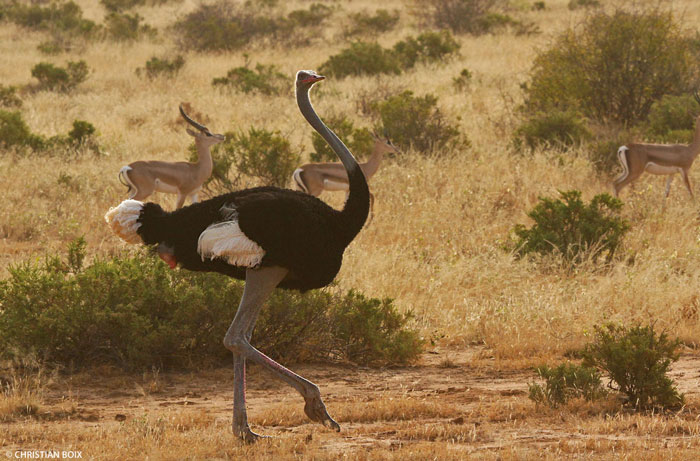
299, 181
124, 178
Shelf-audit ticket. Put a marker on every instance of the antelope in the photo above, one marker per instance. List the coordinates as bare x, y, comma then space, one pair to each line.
182, 178
660, 159
314, 178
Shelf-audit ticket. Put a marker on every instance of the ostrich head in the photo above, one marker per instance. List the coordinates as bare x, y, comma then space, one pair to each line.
306, 78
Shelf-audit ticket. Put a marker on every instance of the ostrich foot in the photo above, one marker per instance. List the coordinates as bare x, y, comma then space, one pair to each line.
316, 411
247, 435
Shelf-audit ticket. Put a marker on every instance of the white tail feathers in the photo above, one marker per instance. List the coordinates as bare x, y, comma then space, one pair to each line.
124, 220
226, 240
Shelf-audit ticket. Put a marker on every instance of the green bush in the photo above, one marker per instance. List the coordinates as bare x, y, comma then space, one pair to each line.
55, 78
565, 382
264, 79
363, 58
575, 230
314, 16
63, 17
636, 359
672, 119
465, 16
124, 27
161, 67
363, 23
358, 140
575, 4
14, 132
417, 123
614, 67
8, 96
464, 80
555, 128
134, 312
117, 6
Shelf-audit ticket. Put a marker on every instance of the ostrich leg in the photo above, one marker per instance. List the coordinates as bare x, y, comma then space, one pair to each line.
259, 285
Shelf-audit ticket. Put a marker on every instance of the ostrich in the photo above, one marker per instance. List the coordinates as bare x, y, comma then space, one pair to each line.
267, 236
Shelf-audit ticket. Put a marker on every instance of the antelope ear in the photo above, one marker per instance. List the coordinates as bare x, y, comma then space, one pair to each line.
191, 132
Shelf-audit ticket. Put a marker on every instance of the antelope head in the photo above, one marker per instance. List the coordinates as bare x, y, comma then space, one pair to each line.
202, 134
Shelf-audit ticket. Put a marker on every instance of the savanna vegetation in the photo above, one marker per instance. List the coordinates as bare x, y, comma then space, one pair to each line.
500, 305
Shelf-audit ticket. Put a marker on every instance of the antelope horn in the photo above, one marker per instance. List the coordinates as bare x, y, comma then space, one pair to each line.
192, 122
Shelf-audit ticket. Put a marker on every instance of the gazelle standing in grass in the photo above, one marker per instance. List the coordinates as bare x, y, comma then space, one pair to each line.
314, 178
182, 178
661, 159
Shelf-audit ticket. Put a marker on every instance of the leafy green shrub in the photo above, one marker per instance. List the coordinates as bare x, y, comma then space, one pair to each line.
264, 79
575, 4
161, 67
65, 17
121, 5
555, 128
539, 6
363, 23
573, 229
225, 26
358, 140
614, 67
417, 123
361, 59
672, 119
464, 80
426, 47
55, 78
565, 382
465, 16
636, 359
134, 312
8, 96
124, 27
14, 132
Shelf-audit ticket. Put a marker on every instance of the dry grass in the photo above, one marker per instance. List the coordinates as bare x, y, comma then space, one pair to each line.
435, 243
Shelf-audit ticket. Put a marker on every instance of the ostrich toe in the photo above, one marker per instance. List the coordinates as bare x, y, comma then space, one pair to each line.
316, 411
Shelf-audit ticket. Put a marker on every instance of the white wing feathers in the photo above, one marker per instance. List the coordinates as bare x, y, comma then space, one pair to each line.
226, 240
124, 220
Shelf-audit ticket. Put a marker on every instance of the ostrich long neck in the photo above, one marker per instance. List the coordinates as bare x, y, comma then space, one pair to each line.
357, 205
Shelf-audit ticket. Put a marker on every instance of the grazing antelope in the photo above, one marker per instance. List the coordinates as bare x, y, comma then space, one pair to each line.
661, 159
182, 178
314, 178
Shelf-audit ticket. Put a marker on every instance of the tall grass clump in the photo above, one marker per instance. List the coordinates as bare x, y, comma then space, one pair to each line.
565, 382
8, 97
134, 312
573, 229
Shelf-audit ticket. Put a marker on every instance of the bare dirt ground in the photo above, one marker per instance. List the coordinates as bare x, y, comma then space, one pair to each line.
455, 404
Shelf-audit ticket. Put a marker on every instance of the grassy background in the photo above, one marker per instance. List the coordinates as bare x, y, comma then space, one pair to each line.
435, 244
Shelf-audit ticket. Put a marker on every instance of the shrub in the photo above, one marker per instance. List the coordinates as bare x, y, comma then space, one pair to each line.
133, 312
636, 359
264, 79
565, 382
314, 16
614, 67
14, 132
124, 27
672, 119
555, 128
427, 47
161, 67
573, 229
65, 17
575, 4
358, 140
364, 23
464, 80
8, 96
361, 59
121, 5
417, 122
55, 78
465, 16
